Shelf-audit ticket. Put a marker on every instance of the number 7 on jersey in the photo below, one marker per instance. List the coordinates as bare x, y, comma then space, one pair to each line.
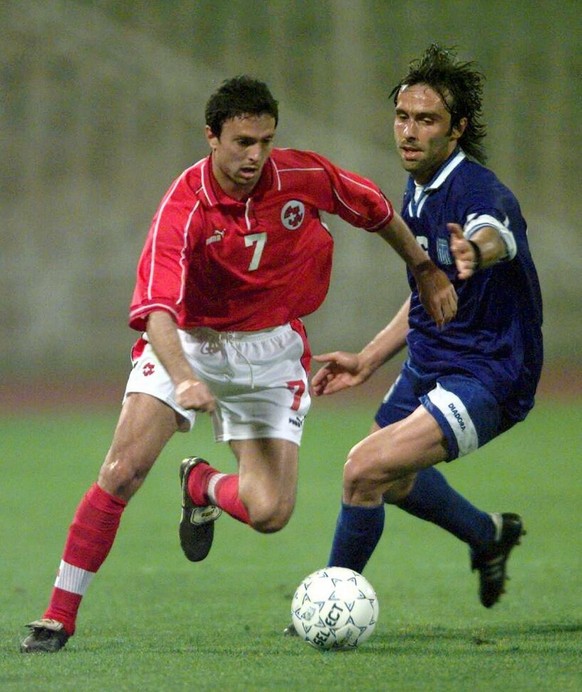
258, 240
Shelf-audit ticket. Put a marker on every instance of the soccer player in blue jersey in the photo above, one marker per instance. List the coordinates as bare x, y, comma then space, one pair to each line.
466, 383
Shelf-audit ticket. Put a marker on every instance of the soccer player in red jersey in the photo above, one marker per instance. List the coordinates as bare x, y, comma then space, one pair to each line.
236, 254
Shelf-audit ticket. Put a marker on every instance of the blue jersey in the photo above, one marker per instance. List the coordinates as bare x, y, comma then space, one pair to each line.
496, 335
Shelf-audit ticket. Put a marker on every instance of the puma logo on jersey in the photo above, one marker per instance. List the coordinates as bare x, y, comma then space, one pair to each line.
215, 237
292, 214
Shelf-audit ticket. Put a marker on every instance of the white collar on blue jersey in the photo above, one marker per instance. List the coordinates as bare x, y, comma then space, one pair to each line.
445, 170
420, 192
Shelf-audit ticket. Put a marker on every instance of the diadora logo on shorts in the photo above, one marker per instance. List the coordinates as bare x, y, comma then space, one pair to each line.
292, 214
297, 421
215, 237
148, 369
458, 416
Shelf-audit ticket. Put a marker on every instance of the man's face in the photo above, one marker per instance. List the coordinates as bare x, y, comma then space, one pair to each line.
422, 131
239, 154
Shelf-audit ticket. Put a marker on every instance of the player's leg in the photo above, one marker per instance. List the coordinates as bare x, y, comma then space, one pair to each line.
143, 430
368, 475
267, 481
261, 409
144, 427
465, 416
468, 417
384, 462
491, 537
262, 494
396, 461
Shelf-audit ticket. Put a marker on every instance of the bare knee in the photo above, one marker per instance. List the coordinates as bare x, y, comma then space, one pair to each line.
121, 475
269, 519
144, 427
369, 480
360, 478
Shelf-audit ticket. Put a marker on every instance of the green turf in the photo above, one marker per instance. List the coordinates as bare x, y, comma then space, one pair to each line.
153, 621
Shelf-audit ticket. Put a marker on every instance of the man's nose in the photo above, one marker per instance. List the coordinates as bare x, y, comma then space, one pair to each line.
410, 130
254, 152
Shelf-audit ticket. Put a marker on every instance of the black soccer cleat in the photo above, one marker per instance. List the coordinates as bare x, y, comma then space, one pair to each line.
197, 522
491, 562
290, 631
46, 636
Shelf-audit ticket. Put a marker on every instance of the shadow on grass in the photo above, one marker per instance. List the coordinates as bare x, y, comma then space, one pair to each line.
496, 637
428, 641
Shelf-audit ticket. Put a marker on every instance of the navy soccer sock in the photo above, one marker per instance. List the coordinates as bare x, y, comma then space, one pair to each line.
434, 500
357, 533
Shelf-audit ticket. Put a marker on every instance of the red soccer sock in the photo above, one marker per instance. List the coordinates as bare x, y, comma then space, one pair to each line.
226, 497
198, 481
90, 537
224, 493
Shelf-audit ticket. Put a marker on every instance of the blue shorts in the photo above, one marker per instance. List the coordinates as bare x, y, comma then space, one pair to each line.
467, 413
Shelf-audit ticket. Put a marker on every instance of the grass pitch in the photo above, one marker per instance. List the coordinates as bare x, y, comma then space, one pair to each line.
153, 621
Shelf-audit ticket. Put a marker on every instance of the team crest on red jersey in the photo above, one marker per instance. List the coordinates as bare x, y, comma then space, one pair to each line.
292, 214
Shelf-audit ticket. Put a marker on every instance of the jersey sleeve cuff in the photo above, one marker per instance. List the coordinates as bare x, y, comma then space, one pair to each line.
138, 315
506, 235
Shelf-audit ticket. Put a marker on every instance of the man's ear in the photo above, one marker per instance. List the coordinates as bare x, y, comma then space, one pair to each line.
457, 131
211, 138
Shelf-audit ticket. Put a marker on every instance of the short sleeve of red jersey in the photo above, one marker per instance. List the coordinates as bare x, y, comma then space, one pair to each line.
354, 198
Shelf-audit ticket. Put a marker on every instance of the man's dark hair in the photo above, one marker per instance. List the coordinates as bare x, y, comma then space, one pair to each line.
460, 87
239, 96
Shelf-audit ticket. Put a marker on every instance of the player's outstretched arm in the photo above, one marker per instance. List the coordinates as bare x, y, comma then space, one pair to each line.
343, 370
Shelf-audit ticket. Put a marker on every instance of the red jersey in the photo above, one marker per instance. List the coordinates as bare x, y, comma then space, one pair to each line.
213, 261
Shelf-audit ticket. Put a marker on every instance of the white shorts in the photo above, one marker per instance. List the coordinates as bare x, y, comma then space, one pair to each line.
259, 379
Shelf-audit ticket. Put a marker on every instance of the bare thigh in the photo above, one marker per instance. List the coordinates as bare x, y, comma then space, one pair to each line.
383, 465
145, 425
268, 471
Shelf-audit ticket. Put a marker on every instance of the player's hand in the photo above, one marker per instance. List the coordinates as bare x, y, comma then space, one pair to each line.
341, 370
195, 395
462, 251
437, 294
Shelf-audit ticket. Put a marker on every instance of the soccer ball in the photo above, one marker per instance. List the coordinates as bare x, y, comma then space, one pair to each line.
335, 608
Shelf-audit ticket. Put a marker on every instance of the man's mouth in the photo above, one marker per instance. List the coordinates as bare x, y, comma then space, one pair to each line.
410, 153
